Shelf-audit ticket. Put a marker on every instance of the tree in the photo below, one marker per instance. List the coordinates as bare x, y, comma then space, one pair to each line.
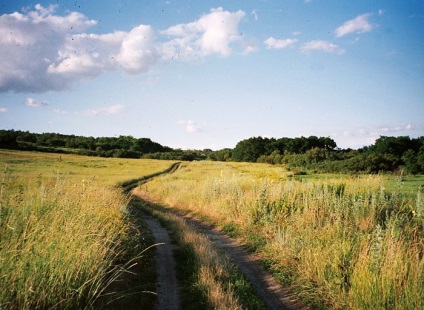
250, 150
411, 162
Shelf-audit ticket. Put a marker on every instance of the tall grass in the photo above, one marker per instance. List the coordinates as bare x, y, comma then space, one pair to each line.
59, 242
340, 242
65, 237
208, 274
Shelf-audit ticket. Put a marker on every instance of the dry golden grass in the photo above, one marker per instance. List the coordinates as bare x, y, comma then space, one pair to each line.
63, 227
214, 268
340, 241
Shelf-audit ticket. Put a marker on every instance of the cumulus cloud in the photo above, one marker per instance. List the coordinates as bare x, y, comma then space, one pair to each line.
320, 45
42, 51
111, 110
279, 43
212, 33
359, 24
86, 56
30, 42
35, 103
190, 126
138, 51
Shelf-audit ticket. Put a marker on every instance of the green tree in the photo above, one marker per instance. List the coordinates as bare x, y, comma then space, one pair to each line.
411, 162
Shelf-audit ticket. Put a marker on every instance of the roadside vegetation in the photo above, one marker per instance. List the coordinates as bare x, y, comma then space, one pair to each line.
207, 277
340, 241
66, 237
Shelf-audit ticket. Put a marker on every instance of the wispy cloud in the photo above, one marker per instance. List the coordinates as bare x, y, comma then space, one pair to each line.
279, 43
367, 135
59, 111
111, 110
35, 103
190, 126
320, 45
3, 110
255, 15
359, 24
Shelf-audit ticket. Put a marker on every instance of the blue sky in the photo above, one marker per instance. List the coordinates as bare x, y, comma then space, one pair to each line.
207, 74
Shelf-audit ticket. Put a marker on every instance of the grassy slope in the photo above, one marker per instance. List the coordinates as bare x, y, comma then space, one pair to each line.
65, 235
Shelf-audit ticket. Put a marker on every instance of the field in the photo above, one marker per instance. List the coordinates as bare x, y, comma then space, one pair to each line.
64, 235
340, 241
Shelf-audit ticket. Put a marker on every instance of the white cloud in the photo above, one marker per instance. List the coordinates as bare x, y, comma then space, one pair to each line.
138, 51
59, 111
367, 135
320, 45
111, 110
381, 12
255, 15
35, 103
3, 110
25, 54
359, 24
190, 126
212, 33
28, 64
279, 43
86, 56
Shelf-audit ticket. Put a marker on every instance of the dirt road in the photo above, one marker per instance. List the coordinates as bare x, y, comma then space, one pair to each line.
268, 289
167, 284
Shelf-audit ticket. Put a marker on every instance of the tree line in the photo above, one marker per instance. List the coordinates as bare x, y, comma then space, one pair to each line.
122, 146
320, 154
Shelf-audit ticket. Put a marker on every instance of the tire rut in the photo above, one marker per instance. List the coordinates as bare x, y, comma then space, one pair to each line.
266, 286
167, 283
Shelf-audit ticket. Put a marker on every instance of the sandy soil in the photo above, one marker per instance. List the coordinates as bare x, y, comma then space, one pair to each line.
167, 285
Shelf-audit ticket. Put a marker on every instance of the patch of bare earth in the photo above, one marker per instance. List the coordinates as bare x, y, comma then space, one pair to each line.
167, 284
266, 286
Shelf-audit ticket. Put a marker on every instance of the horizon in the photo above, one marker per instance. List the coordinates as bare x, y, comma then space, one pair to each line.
208, 75
231, 148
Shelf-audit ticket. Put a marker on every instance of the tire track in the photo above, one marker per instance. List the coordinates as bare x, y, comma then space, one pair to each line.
274, 295
266, 286
167, 283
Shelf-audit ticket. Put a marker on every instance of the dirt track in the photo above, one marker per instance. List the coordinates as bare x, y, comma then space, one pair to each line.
167, 285
268, 289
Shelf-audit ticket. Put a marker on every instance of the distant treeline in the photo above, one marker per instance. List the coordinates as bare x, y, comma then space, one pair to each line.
319, 154
122, 146
322, 155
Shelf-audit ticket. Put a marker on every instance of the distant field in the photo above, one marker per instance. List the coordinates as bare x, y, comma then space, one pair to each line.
106, 171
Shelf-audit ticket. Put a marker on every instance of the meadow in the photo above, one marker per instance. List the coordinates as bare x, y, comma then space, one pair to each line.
65, 237
340, 241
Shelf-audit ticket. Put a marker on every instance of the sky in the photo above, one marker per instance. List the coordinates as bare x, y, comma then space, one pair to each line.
208, 74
